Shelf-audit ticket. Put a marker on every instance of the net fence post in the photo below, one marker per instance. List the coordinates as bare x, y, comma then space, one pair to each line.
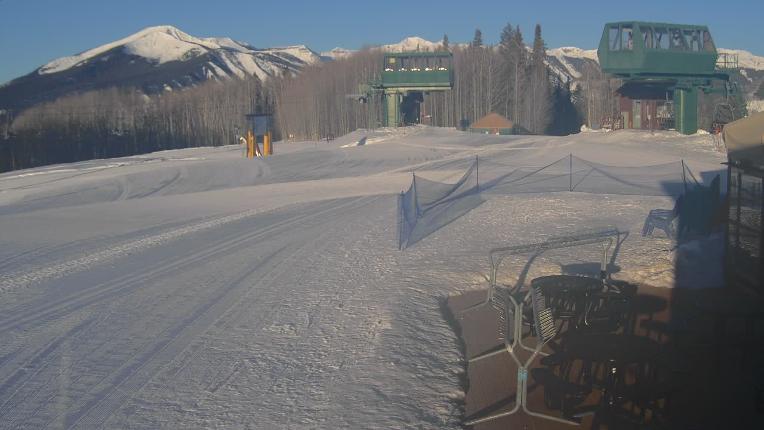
477, 173
570, 173
684, 177
416, 197
401, 220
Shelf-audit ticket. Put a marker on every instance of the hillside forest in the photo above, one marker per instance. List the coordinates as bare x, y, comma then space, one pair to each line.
321, 102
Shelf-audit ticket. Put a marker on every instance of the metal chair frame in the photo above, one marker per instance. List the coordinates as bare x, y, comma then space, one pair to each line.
507, 301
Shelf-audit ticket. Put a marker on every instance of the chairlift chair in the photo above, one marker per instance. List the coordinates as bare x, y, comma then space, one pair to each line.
546, 329
543, 320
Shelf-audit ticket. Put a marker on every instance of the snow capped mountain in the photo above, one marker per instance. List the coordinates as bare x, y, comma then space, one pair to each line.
337, 53
163, 44
746, 60
160, 44
162, 58
302, 53
572, 51
154, 59
412, 43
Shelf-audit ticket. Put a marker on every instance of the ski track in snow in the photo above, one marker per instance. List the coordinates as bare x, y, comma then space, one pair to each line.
207, 291
34, 275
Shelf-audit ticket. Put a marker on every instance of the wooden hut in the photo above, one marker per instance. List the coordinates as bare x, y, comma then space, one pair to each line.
493, 123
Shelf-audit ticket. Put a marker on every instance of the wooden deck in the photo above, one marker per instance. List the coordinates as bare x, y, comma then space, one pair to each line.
715, 396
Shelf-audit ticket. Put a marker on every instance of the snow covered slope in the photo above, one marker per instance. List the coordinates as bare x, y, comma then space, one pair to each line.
196, 289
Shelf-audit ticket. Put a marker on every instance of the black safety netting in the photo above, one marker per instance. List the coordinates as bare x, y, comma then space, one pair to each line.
429, 205
572, 173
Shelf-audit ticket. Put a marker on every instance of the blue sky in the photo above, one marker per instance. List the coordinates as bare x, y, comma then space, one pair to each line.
33, 32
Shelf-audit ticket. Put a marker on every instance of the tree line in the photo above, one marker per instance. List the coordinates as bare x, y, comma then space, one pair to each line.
322, 101
121, 122
508, 78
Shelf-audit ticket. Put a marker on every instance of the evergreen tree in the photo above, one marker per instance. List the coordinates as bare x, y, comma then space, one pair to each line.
538, 85
518, 38
445, 42
506, 72
477, 41
539, 47
565, 117
760, 91
507, 34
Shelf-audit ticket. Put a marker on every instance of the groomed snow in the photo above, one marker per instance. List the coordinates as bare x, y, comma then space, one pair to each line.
195, 289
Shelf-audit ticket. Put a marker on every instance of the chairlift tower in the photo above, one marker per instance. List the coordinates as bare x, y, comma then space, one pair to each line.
406, 77
669, 63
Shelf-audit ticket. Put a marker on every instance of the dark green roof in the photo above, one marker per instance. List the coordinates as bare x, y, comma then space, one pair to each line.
660, 24
655, 49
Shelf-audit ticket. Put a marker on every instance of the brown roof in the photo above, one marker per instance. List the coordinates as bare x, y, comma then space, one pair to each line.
492, 120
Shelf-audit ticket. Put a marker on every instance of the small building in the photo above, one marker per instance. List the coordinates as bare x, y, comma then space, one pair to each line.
744, 140
493, 123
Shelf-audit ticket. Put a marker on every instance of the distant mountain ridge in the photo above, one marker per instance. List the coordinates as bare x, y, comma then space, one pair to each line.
154, 59
164, 58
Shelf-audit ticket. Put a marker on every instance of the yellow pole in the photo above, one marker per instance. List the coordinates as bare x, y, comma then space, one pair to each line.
250, 144
267, 144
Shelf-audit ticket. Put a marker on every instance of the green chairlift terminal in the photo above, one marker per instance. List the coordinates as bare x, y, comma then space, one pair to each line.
406, 77
669, 62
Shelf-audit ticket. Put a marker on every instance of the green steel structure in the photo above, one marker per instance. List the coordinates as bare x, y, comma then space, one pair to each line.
405, 79
666, 60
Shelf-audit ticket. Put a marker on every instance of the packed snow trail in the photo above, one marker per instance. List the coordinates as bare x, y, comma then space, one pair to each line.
191, 288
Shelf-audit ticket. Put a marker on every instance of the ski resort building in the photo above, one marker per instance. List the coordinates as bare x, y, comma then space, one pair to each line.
406, 78
663, 67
